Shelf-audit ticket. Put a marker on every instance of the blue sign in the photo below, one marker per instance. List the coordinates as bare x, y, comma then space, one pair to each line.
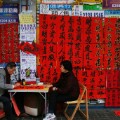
60, 7
112, 12
9, 13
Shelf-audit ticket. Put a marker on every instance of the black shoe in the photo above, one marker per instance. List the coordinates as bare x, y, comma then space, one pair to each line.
24, 115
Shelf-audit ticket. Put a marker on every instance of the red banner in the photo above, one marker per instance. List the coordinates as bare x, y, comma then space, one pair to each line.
9, 42
83, 41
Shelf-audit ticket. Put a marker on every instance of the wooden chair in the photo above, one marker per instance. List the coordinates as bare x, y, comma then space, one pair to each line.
81, 99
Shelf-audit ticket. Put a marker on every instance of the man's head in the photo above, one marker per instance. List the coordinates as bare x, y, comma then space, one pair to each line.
66, 66
11, 67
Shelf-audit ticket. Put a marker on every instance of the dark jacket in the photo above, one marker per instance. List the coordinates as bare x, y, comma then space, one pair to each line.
68, 84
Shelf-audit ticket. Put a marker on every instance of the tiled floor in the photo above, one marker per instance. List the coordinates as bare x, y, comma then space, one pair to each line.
94, 114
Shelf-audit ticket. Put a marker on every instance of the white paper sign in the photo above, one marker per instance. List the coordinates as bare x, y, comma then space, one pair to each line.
77, 10
27, 32
28, 66
55, 9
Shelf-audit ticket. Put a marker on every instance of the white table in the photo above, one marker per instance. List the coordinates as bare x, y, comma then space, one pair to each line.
43, 92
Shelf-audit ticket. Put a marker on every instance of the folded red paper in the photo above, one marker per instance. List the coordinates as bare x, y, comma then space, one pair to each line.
17, 111
30, 87
117, 112
2, 113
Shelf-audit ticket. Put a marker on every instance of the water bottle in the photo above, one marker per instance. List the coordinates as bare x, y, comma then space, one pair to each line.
23, 82
37, 80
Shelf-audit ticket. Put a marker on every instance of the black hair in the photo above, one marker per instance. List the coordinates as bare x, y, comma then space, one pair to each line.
10, 65
67, 65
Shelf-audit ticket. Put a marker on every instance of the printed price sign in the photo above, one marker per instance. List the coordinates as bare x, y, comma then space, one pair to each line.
93, 13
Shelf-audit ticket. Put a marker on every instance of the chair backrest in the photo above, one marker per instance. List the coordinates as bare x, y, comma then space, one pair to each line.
84, 92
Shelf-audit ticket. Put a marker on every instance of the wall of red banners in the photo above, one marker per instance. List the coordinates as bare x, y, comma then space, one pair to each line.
9, 42
92, 44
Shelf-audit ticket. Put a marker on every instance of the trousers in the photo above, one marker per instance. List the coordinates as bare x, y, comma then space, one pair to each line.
7, 107
55, 97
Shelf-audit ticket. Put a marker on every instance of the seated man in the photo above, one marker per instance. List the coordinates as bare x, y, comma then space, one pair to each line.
5, 80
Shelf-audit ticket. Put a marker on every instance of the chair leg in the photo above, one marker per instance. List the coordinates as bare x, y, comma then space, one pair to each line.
78, 102
86, 102
85, 114
66, 109
65, 113
74, 112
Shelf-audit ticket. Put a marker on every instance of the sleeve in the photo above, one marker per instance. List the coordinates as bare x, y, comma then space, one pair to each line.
2, 81
57, 84
68, 87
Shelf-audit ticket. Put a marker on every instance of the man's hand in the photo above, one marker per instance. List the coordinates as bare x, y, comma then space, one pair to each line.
17, 84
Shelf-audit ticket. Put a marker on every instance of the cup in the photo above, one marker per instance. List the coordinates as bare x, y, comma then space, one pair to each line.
37, 80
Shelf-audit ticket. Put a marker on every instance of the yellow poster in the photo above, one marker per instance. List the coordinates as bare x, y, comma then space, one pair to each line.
39, 1
91, 1
1, 2
26, 18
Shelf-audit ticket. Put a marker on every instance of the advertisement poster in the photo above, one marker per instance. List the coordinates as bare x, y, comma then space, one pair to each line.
27, 32
28, 66
26, 18
9, 13
111, 4
112, 13
55, 9
27, 60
